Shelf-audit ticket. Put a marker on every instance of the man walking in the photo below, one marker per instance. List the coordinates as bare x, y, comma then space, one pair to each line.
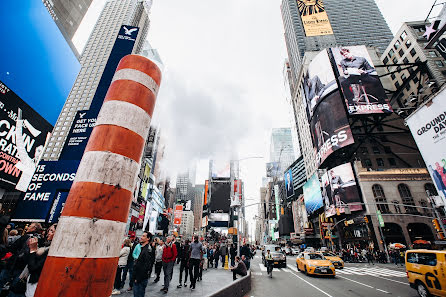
141, 267
223, 253
158, 258
169, 256
196, 254
233, 253
183, 257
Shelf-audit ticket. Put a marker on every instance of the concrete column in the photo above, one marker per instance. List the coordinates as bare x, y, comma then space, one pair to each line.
83, 256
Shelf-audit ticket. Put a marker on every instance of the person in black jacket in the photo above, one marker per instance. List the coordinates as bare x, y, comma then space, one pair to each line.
141, 267
183, 257
233, 253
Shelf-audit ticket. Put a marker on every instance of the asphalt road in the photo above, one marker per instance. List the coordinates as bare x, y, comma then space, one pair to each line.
352, 281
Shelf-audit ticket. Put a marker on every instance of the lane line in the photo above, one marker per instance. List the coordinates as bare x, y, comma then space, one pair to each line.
308, 282
383, 291
365, 285
392, 280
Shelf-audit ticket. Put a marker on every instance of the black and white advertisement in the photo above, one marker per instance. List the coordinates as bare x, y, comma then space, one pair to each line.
359, 81
428, 127
23, 135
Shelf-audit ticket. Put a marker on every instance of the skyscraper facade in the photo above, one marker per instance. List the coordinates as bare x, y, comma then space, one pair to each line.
93, 61
281, 148
68, 14
348, 23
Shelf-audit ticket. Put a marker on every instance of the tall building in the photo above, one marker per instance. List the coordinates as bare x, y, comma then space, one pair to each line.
187, 224
281, 148
408, 47
68, 14
198, 206
185, 190
93, 61
339, 27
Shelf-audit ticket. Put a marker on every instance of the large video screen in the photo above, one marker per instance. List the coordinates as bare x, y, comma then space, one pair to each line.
221, 168
359, 81
312, 195
220, 200
330, 129
339, 189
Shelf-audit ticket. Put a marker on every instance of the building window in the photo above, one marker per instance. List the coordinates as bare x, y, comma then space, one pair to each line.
376, 150
433, 54
380, 162
397, 207
364, 151
406, 197
426, 209
386, 60
391, 53
413, 52
408, 43
368, 163
430, 188
439, 63
406, 60
397, 85
397, 45
392, 161
416, 80
401, 52
380, 198
387, 150
392, 76
395, 60
417, 60
403, 35
403, 77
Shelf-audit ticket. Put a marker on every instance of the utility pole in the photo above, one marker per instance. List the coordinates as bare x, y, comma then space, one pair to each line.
84, 253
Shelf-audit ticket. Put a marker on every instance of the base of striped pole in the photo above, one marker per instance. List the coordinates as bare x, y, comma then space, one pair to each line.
74, 277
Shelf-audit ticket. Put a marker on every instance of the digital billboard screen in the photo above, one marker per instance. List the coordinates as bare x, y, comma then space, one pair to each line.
329, 126
289, 183
221, 168
312, 195
272, 169
314, 17
220, 199
360, 84
339, 189
428, 127
23, 134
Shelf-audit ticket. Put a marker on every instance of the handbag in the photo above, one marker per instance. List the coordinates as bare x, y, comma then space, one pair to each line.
18, 285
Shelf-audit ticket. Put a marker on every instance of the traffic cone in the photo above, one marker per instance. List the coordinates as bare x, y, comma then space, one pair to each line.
226, 263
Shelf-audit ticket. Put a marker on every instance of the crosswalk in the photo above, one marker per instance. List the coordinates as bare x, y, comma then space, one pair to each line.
263, 269
373, 271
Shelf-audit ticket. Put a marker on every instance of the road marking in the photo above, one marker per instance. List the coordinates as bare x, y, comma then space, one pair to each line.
263, 268
392, 280
289, 266
371, 271
365, 285
256, 273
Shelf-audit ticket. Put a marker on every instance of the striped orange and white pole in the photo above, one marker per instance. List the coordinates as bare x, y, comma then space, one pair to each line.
84, 253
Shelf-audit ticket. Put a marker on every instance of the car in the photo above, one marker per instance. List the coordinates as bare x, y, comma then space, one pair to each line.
295, 251
278, 256
286, 250
335, 259
426, 272
315, 263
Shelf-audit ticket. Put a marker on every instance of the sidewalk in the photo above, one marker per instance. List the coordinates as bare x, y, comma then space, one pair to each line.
213, 281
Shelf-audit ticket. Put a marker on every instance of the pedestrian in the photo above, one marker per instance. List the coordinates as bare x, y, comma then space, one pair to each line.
183, 256
216, 255
196, 254
370, 257
178, 244
239, 268
223, 253
13, 236
129, 267
233, 253
141, 267
36, 260
211, 255
205, 256
169, 256
158, 259
246, 261
122, 263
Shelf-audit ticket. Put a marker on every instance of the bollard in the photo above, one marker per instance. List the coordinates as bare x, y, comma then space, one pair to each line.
83, 257
226, 263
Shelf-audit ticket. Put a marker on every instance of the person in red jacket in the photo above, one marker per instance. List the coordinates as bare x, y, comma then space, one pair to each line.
169, 256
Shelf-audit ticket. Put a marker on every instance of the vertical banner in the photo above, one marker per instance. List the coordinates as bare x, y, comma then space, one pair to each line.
314, 18
177, 214
289, 183
236, 196
428, 127
312, 195
276, 197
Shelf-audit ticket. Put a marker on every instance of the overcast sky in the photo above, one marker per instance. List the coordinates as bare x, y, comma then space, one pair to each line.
223, 89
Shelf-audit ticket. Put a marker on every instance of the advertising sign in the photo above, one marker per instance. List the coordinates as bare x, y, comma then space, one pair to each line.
339, 189
276, 198
23, 135
236, 197
329, 126
380, 219
428, 127
289, 183
221, 168
359, 81
220, 197
314, 18
272, 169
177, 214
85, 120
312, 195
47, 192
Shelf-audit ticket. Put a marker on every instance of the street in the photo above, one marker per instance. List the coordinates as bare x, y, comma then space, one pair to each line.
356, 279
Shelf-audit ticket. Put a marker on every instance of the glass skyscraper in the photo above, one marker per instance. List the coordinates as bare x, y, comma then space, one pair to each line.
281, 148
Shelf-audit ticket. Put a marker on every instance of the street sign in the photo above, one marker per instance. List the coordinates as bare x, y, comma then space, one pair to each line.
380, 218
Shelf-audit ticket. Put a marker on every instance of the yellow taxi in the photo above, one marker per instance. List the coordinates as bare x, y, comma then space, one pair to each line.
315, 263
426, 272
337, 262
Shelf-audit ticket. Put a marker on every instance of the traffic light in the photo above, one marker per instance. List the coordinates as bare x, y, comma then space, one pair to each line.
366, 219
436, 224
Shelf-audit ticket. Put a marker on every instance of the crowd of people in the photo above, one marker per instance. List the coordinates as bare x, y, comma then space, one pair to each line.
23, 252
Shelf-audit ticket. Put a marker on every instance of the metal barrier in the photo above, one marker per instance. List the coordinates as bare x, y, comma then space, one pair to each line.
238, 288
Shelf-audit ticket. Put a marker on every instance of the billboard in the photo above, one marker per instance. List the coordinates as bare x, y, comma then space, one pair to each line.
220, 197
314, 18
236, 197
289, 183
84, 120
23, 135
312, 195
339, 189
428, 127
272, 169
178, 213
221, 168
329, 126
359, 81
